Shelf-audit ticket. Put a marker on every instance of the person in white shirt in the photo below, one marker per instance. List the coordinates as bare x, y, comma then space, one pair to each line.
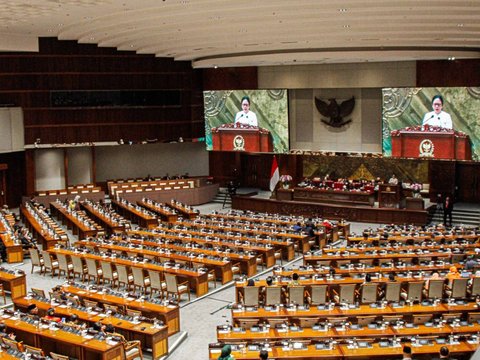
437, 117
246, 117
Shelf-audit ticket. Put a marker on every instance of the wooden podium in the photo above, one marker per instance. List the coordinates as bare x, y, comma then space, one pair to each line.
243, 138
431, 142
389, 196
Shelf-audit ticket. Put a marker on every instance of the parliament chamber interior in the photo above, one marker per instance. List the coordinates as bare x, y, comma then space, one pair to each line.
180, 179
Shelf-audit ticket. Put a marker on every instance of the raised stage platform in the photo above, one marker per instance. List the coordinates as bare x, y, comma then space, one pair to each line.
332, 211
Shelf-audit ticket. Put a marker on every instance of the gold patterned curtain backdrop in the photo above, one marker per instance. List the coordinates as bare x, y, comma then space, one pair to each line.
270, 106
409, 171
404, 107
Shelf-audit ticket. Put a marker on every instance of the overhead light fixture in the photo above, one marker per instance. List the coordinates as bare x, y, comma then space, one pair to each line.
451, 58
342, 10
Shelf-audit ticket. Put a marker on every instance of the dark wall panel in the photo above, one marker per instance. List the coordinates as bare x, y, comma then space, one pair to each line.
27, 80
448, 73
15, 176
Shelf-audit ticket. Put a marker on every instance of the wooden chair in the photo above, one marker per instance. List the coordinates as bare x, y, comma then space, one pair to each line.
133, 313
114, 309
248, 323
133, 348
392, 291
250, 297
38, 292
36, 260
156, 283
108, 273
124, 277
93, 271
418, 319
307, 322
33, 350
90, 304
79, 268
64, 265
55, 356
13, 344
475, 290
459, 288
140, 280
319, 294
473, 318
366, 319
435, 289
296, 295
369, 293
347, 293
175, 288
50, 264
273, 295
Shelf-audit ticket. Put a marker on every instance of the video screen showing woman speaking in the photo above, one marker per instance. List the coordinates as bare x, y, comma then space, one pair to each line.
246, 120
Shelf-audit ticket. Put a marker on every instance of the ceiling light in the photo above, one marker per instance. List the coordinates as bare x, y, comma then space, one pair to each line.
451, 58
342, 10
215, 67
346, 26
460, 25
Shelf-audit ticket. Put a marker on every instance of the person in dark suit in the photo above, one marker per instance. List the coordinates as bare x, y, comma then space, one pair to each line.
447, 210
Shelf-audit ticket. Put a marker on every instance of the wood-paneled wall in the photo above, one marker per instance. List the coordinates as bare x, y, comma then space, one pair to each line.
27, 79
448, 73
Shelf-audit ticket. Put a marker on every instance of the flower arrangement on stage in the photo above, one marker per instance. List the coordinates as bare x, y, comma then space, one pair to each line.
285, 179
416, 187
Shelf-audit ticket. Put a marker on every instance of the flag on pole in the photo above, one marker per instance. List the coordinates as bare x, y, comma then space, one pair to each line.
274, 174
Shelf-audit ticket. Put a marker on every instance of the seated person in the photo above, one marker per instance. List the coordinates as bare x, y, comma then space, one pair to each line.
32, 312
51, 316
75, 322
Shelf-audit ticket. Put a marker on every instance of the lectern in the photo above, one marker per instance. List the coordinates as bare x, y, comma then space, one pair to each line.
229, 137
431, 142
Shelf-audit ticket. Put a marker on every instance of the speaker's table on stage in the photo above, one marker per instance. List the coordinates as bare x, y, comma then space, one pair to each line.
431, 142
241, 138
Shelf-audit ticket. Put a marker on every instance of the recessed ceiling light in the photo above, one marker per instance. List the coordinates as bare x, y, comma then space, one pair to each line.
460, 25
342, 10
451, 58
346, 26
215, 67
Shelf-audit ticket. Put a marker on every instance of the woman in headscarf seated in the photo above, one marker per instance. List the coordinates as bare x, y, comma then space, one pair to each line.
226, 353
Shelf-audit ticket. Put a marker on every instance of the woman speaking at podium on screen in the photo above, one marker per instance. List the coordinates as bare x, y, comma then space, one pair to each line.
437, 117
246, 117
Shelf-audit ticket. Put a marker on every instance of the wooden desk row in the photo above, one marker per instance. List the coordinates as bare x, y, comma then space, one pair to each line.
247, 261
163, 212
150, 336
12, 245
77, 226
43, 236
258, 334
169, 314
223, 269
63, 342
186, 211
197, 280
325, 311
286, 247
343, 351
110, 225
136, 214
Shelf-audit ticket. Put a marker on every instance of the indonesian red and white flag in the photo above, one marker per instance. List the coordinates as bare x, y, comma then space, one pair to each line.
275, 174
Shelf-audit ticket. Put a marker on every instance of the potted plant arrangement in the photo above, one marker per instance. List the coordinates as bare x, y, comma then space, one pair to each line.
285, 180
416, 189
